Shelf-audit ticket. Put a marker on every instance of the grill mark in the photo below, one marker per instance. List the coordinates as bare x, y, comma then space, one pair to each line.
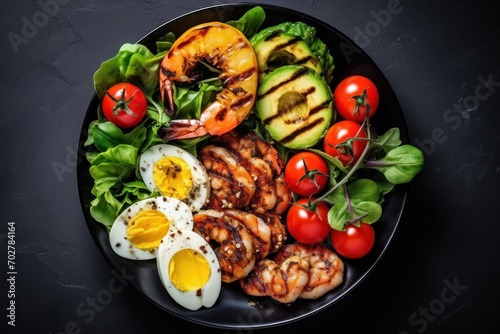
284, 277
312, 111
302, 130
222, 54
204, 223
288, 43
255, 280
198, 33
237, 156
242, 221
274, 34
291, 42
167, 73
301, 72
226, 174
218, 202
232, 80
305, 60
269, 120
319, 107
278, 232
229, 176
309, 91
242, 44
241, 102
221, 115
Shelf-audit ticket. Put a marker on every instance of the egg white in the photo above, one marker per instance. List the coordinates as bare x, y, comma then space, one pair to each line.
200, 177
177, 212
192, 300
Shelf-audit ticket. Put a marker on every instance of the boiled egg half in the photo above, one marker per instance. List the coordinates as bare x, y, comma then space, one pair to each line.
189, 269
174, 172
137, 232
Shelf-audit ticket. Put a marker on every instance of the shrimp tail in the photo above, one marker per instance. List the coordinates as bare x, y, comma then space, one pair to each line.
167, 95
182, 129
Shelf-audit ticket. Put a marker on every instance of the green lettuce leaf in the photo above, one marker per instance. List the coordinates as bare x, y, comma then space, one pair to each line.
250, 22
133, 63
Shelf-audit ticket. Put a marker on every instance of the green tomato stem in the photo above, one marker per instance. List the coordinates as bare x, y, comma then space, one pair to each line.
156, 105
353, 169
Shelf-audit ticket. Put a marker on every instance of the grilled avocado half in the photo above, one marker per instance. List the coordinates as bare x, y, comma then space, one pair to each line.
294, 104
278, 48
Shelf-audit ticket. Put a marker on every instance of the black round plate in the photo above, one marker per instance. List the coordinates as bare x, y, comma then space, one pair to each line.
233, 309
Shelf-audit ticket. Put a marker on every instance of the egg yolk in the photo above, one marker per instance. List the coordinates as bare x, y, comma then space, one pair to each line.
146, 229
173, 178
189, 270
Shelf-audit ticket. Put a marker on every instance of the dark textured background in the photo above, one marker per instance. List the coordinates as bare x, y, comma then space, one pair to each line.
437, 57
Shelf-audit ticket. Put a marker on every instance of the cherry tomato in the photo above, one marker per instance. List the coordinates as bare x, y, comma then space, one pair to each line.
355, 242
125, 105
336, 141
308, 227
356, 97
306, 173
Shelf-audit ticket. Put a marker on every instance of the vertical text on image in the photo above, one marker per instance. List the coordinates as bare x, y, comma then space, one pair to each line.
11, 273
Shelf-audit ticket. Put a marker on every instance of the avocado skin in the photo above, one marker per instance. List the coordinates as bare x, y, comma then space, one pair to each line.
295, 105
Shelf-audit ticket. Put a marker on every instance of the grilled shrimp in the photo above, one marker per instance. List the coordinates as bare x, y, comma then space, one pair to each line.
283, 282
326, 269
278, 230
225, 48
249, 149
230, 183
283, 195
264, 198
260, 231
234, 248
248, 145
